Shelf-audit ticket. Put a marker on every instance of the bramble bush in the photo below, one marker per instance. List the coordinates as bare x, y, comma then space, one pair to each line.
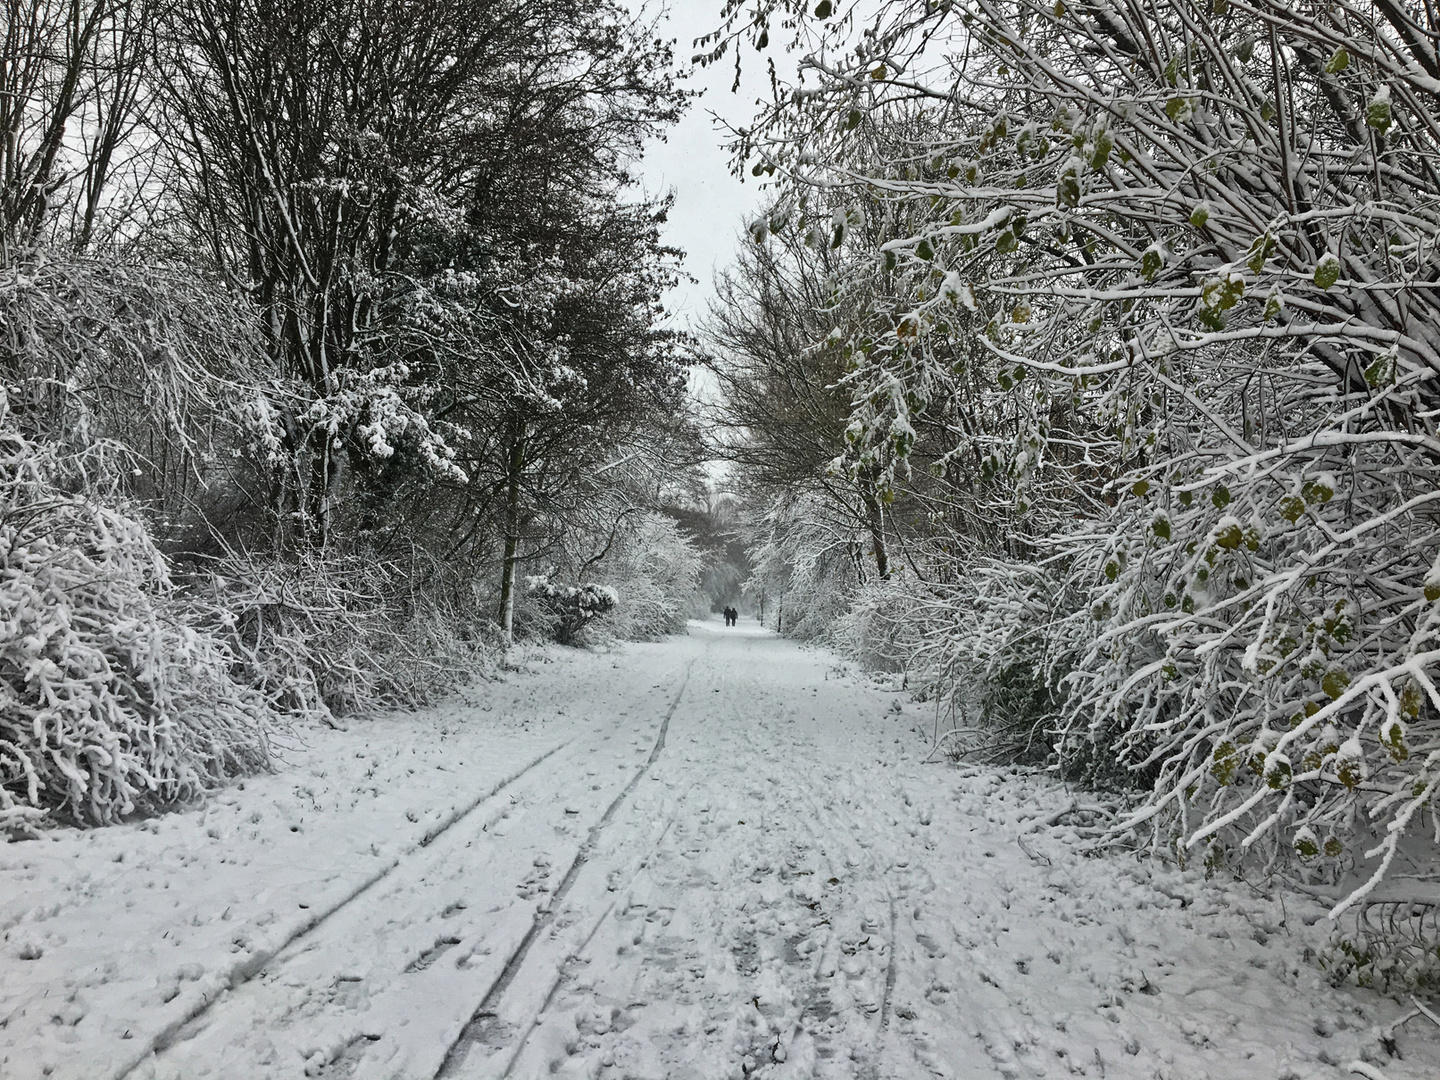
112, 698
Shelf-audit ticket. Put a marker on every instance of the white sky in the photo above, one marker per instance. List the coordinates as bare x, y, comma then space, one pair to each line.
712, 207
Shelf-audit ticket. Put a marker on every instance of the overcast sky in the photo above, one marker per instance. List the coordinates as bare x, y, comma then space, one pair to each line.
712, 207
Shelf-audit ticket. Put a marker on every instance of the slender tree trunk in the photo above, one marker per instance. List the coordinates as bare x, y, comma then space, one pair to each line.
875, 521
512, 538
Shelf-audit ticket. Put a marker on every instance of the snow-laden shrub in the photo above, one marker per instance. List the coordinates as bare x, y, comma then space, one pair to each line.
111, 700
655, 574
570, 608
1392, 945
806, 565
1264, 645
326, 637
979, 644
883, 629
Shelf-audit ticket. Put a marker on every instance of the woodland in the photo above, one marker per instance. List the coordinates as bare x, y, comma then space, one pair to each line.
330, 336
1078, 377
1083, 370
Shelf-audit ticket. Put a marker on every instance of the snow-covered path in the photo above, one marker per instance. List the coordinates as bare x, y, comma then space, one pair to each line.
713, 857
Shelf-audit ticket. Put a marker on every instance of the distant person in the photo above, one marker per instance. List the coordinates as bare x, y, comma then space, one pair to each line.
730, 616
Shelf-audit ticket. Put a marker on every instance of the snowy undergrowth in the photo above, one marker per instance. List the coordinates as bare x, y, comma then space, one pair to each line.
323, 638
111, 700
107, 936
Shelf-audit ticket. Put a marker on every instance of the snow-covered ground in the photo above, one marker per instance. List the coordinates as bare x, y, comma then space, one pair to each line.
711, 857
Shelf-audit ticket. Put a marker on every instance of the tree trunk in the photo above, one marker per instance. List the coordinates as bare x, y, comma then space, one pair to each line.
875, 522
512, 539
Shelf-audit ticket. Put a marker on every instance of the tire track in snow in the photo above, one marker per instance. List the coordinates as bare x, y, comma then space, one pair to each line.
560, 975
470, 1033
253, 965
801, 823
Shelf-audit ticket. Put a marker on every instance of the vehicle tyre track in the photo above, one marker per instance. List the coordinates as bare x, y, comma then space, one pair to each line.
470, 1033
245, 970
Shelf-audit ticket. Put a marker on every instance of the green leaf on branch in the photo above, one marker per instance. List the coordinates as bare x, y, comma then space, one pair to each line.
823, 9
1260, 250
1219, 294
1339, 61
1334, 682
1178, 109
1377, 113
1381, 371
1151, 262
1103, 145
1327, 270
1320, 490
1067, 190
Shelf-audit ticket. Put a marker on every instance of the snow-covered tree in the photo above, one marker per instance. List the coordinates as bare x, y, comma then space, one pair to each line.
1164, 272
655, 572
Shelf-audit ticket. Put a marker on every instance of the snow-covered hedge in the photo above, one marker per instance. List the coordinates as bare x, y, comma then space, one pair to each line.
569, 609
321, 638
111, 699
655, 573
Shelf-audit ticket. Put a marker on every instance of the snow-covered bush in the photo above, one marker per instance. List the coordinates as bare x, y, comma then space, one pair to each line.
323, 638
1390, 945
980, 644
884, 629
569, 609
806, 563
655, 573
1266, 641
111, 699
